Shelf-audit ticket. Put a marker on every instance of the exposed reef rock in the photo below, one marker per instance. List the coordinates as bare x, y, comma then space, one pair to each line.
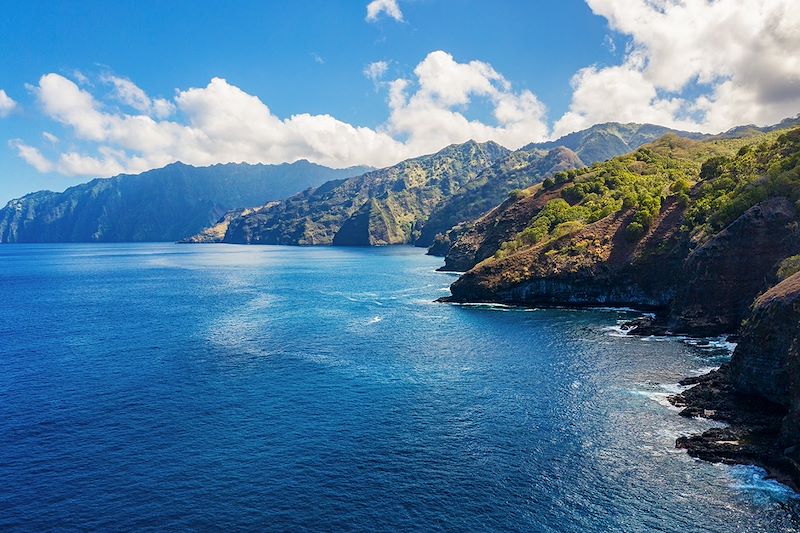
757, 394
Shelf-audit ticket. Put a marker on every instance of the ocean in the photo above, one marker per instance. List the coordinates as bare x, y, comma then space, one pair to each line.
216, 387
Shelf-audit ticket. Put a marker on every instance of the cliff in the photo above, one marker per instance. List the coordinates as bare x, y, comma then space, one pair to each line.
164, 204
386, 206
757, 394
695, 230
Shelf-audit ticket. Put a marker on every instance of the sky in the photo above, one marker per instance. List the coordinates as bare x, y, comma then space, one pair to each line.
96, 88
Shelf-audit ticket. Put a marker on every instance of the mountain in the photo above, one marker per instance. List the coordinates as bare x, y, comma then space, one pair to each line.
386, 206
399, 205
530, 165
519, 170
165, 204
604, 141
694, 229
702, 233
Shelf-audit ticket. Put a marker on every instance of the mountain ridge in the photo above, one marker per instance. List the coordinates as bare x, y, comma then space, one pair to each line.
163, 204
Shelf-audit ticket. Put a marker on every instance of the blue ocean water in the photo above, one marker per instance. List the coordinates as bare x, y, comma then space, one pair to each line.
211, 387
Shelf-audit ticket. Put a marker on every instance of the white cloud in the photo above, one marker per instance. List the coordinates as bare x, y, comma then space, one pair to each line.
128, 93
375, 71
7, 105
432, 116
32, 156
389, 7
49, 137
222, 123
690, 64
739, 57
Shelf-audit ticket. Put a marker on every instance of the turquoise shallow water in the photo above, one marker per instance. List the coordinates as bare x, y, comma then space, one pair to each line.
192, 387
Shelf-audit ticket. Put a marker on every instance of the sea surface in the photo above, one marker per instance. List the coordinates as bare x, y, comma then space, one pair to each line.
213, 387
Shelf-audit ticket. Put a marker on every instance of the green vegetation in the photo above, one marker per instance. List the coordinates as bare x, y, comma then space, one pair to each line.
639, 181
716, 181
789, 267
733, 184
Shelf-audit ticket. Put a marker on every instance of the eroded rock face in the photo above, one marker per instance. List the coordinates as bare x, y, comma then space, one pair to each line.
767, 360
724, 275
757, 394
596, 266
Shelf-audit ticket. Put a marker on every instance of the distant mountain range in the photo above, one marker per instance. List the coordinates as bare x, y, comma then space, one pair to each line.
419, 199
425, 201
165, 204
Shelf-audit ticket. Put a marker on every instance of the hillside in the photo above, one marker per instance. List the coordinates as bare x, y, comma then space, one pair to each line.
386, 206
695, 229
165, 204
519, 170
604, 141
419, 201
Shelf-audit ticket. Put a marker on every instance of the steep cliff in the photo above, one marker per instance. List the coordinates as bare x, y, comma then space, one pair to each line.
165, 204
724, 275
386, 206
694, 229
758, 394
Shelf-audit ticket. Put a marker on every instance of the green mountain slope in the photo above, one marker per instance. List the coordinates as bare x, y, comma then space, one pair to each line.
386, 206
695, 229
165, 204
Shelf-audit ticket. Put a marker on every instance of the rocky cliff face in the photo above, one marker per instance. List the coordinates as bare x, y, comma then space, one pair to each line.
724, 275
386, 206
670, 249
597, 265
165, 204
758, 394
766, 356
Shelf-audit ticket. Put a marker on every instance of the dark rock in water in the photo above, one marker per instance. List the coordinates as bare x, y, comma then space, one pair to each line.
758, 393
646, 326
752, 436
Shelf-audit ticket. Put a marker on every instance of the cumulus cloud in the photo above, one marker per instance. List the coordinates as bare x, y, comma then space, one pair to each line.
375, 71
7, 105
128, 93
691, 64
389, 7
32, 156
221, 123
428, 111
735, 58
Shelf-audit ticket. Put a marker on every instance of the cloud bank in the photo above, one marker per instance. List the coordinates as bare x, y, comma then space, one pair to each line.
132, 132
698, 65
702, 65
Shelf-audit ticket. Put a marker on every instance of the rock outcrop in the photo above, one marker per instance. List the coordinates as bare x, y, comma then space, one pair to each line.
757, 394
723, 276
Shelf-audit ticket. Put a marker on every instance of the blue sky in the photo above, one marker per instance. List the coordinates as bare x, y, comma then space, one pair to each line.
543, 60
